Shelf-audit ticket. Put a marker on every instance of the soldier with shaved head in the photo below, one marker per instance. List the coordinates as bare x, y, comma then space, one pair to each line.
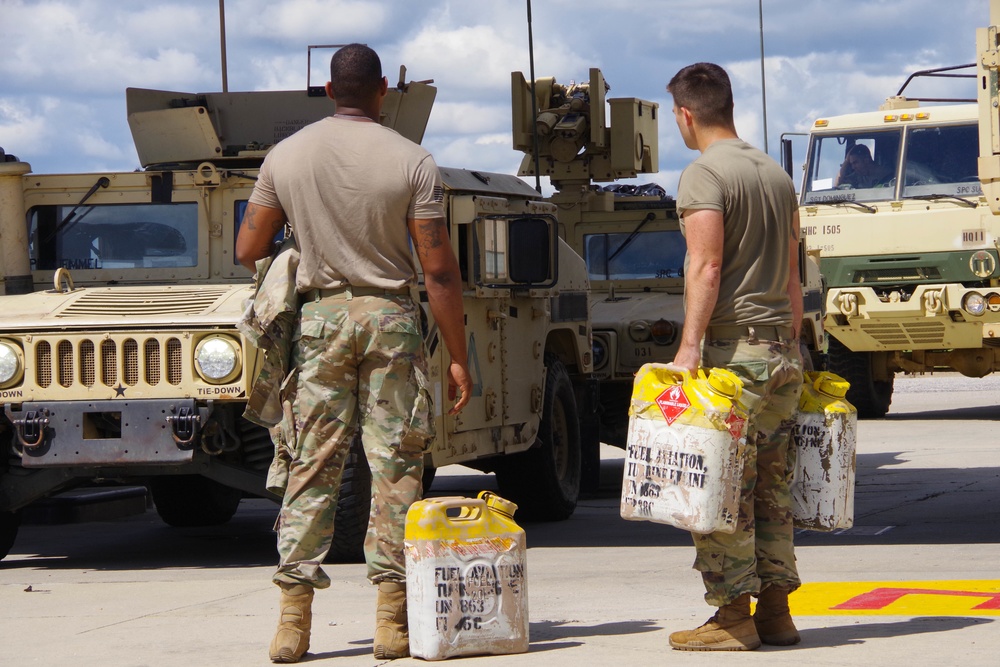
357, 196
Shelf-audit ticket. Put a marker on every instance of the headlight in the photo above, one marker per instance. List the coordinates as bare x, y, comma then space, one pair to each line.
217, 359
993, 302
600, 350
974, 303
10, 364
664, 332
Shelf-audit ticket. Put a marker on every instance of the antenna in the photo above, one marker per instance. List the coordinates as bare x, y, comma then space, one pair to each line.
763, 92
222, 41
534, 102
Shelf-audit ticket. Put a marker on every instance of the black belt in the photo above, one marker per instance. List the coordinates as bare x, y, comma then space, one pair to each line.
752, 332
352, 290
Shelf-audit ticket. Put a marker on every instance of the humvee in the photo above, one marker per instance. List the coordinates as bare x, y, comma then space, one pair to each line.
120, 357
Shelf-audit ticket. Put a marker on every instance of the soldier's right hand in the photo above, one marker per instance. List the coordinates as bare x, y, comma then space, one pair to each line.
460, 385
687, 358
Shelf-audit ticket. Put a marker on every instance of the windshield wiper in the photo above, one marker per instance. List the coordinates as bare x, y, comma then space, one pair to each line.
841, 202
961, 200
649, 217
70, 218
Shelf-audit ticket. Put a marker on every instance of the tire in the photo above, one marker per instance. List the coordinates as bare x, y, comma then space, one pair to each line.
544, 481
353, 508
807, 361
186, 501
428, 479
615, 398
9, 523
871, 397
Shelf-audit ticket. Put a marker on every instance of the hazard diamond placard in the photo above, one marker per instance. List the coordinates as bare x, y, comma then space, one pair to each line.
673, 402
736, 424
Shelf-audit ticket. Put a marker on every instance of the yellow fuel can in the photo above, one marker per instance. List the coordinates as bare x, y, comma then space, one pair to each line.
685, 449
467, 586
825, 439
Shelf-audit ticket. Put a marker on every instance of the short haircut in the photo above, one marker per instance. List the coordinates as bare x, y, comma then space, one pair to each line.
704, 90
355, 75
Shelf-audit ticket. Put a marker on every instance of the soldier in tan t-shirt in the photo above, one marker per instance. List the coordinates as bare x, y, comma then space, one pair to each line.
356, 195
743, 308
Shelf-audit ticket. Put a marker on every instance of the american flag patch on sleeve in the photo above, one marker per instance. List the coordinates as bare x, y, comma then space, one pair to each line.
438, 193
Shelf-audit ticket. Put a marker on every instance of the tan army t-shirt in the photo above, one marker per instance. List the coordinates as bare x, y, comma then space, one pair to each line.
347, 188
757, 200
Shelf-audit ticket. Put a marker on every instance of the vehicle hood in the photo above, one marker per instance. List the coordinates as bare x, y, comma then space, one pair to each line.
172, 306
629, 306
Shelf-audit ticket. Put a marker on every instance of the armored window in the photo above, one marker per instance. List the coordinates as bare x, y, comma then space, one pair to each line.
623, 256
116, 236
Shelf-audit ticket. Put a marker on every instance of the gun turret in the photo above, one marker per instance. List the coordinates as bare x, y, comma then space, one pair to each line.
171, 127
563, 132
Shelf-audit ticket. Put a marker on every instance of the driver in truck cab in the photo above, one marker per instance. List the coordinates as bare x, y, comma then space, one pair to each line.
859, 170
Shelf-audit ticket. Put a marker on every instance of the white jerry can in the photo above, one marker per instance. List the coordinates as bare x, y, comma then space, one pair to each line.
685, 450
825, 438
466, 583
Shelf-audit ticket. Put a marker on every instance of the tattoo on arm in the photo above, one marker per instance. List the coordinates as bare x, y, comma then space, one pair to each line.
431, 235
250, 218
255, 219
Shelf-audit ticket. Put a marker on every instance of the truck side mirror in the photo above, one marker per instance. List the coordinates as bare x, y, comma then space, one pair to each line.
516, 251
531, 250
786, 156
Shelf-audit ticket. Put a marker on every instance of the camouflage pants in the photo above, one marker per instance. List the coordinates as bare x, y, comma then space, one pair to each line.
760, 552
356, 363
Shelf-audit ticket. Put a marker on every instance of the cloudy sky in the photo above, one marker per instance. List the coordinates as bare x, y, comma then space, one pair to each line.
65, 64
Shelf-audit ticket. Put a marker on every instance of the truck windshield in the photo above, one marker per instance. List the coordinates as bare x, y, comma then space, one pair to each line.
116, 236
936, 162
650, 254
855, 166
942, 161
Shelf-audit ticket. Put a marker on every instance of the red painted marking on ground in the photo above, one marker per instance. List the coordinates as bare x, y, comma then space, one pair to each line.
880, 598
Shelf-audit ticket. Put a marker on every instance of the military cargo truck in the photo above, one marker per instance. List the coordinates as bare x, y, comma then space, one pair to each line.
120, 359
628, 235
903, 205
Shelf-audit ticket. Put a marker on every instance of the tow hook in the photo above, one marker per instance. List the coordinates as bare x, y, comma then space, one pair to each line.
184, 426
31, 429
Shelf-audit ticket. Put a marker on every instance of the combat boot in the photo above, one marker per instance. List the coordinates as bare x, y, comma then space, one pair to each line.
731, 629
772, 618
392, 638
291, 640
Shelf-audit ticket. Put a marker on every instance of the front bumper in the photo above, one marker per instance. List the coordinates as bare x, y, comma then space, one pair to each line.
106, 433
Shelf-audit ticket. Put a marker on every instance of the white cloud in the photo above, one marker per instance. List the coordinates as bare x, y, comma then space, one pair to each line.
66, 64
98, 148
29, 133
468, 118
342, 20
469, 153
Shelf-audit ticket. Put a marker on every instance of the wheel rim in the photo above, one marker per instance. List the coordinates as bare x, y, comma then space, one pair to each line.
560, 446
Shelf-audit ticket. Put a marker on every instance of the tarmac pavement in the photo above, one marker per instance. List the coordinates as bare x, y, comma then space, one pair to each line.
923, 562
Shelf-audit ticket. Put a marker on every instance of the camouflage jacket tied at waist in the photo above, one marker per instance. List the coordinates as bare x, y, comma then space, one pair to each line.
268, 323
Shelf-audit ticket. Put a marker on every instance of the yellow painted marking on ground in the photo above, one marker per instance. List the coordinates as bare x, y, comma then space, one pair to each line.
897, 598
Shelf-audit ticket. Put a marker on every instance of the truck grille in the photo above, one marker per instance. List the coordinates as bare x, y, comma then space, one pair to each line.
892, 334
897, 275
108, 361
